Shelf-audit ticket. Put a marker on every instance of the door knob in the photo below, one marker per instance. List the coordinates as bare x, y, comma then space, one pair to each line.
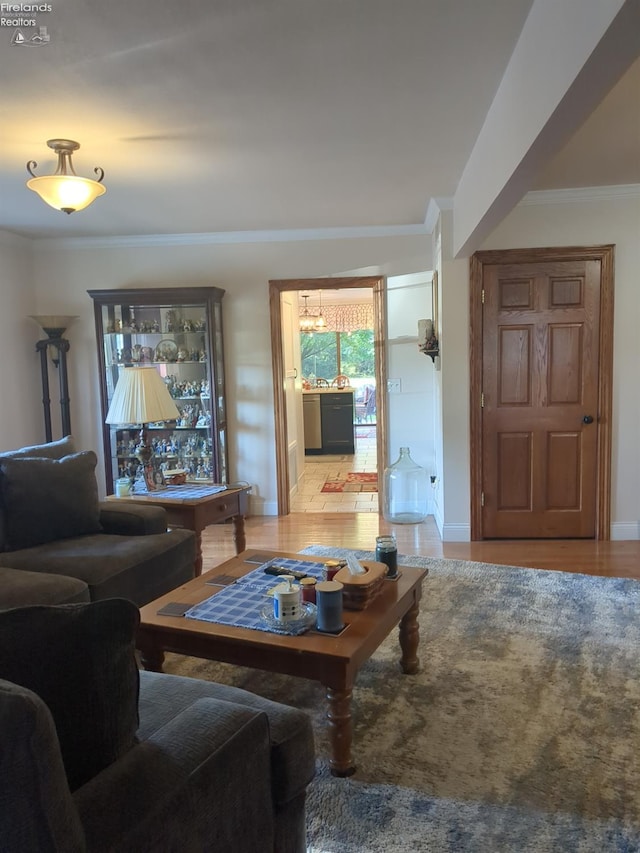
587, 419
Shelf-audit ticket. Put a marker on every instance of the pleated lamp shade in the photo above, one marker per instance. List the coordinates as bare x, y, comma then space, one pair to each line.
141, 397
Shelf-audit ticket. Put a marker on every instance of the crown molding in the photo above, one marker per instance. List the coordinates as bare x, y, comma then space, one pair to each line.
8, 238
231, 237
434, 209
580, 195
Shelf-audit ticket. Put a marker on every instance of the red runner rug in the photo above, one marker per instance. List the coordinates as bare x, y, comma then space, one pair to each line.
354, 482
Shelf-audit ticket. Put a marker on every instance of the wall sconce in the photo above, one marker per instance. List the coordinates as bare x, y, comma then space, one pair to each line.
427, 339
64, 190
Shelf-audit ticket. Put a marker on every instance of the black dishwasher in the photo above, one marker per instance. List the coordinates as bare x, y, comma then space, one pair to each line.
336, 414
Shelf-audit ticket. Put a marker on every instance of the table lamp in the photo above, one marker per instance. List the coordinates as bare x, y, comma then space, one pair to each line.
141, 397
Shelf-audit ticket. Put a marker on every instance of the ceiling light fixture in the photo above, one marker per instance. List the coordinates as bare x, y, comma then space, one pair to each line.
307, 320
64, 190
320, 324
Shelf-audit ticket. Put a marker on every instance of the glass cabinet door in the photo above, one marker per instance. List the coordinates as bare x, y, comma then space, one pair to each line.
179, 332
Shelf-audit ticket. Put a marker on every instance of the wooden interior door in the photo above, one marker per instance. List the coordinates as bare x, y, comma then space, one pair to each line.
542, 400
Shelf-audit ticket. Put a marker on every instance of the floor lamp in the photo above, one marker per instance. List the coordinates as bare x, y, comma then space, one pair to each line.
141, 397
54, 327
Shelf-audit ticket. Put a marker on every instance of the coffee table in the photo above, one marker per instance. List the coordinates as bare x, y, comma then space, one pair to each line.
333, 660
196, 506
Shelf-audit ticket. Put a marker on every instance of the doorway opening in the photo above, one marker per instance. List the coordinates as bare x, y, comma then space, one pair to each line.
297, 374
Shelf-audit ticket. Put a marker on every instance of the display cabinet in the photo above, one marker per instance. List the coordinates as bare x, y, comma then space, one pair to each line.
178, 331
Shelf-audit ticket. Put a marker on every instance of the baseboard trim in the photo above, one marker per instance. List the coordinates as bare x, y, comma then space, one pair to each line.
258, 506
456, 533
621, 530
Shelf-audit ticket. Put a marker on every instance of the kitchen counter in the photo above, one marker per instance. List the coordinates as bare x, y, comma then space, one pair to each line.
328, 420
329, 391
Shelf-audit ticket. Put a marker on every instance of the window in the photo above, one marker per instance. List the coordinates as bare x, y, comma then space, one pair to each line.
327, 354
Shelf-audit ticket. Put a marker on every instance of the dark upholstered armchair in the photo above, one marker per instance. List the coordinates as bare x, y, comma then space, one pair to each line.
97, 756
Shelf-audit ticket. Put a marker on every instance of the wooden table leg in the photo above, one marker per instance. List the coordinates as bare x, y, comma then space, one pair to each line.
238, 533
340, 731
198, 561
151, 656
409, 639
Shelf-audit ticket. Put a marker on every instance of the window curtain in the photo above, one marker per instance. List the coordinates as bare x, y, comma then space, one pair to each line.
346, 318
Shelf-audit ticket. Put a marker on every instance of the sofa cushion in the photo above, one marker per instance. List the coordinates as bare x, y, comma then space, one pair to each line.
139, 568
48, 499
20, 589
80, 660
162, 696
52, 450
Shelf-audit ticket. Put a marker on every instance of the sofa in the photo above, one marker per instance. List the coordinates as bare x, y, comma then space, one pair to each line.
96, 756
60, 544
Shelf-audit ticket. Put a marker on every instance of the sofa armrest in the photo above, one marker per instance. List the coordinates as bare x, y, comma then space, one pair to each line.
132, 519
201, 782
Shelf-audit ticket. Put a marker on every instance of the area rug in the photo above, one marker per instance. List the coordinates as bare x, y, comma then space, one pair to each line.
354, 482
365, 431
521, 733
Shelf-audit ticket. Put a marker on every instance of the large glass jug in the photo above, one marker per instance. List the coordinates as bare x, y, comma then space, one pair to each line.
405, 490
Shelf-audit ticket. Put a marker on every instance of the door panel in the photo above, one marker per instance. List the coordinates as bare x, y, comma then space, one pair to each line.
540, 355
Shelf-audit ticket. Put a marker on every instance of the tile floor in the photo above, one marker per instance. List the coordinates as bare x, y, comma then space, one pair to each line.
318, 469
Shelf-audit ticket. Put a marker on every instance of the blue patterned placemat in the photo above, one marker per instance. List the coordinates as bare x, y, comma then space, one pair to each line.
240, 603
186, 491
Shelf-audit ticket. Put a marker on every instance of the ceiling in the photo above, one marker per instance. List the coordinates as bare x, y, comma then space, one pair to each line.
233, 115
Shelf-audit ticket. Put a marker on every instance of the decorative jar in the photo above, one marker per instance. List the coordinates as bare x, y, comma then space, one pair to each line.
405, 490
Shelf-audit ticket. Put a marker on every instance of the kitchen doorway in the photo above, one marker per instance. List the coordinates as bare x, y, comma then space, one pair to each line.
287, 379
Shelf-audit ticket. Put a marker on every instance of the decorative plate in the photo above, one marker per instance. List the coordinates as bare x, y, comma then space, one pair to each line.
297, 626
167, 350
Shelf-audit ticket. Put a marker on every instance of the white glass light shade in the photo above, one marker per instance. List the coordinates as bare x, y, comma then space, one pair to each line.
141, 397
66, 192
306, 319
306, 323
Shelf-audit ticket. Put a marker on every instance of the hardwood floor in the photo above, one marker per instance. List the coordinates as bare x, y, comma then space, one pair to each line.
359, 530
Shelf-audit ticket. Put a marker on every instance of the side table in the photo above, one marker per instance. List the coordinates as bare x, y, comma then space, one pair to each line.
196, 506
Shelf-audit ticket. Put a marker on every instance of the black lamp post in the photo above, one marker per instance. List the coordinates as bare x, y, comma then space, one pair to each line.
54, 327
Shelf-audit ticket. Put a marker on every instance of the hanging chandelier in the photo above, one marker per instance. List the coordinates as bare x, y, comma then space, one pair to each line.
64, 190
319, 324
307, 320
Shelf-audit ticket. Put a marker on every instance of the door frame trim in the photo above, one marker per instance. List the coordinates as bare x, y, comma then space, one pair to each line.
378, 284
604, 254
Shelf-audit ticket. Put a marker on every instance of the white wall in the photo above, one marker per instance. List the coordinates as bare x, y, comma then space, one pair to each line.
411, 410
60, 277
599, 221
453, 487
582, 218
21, 414
63, 274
